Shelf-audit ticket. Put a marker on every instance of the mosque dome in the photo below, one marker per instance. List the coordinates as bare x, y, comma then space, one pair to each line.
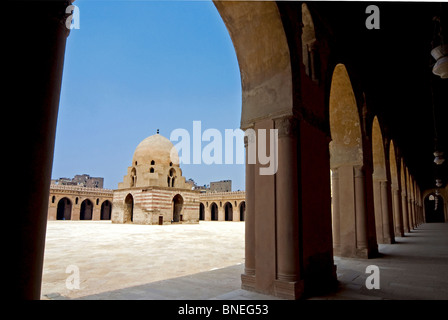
155, 149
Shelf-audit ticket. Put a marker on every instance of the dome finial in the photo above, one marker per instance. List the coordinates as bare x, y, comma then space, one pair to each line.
157, 131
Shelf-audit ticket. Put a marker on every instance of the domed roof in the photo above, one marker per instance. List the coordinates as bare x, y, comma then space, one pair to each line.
155, 148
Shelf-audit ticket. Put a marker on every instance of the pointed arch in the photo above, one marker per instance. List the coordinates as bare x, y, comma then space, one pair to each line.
178, 203
381, 187
64, 209
352, 231
128, 215
345, 126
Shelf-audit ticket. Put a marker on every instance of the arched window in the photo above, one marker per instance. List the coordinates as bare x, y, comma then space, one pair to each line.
310, 57
171, 177
53, 199
153, 162
151, 170
133, 177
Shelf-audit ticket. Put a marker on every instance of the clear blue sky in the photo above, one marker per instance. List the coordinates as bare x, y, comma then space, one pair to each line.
137, 66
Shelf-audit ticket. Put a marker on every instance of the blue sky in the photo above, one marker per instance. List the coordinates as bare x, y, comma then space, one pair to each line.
137, 66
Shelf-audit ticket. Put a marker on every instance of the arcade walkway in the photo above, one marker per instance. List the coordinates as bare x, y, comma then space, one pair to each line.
416, 267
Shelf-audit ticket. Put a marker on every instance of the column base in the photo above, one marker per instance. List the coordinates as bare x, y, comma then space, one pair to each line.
288, 290
248, 282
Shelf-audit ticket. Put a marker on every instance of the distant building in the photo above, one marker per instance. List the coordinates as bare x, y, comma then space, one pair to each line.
80, 180
221, 186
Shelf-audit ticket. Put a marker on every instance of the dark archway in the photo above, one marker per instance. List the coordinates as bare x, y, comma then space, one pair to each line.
228, 211
86, 212
201, 211
214, 211
106, 209
178, 202
128, 209
242, 211
434, 208
64, 211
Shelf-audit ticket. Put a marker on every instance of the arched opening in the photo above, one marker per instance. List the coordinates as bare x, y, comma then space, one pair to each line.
381, 188
349, 212
86, 212
64, 210
434, 208
214, 211
106, 210
228, 211
128, 215
242, 210
201, 211
177, 203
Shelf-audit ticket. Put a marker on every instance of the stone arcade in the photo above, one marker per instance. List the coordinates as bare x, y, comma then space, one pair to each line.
303, 66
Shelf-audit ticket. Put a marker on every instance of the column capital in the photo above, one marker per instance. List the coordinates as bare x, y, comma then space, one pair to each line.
358, 171
287, 126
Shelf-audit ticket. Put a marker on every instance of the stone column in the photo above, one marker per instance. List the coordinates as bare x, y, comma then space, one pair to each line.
96, 212
404, 207
35, 48
336, 219
386, 207
360, 214
411, 226
383, 214
207, 211
399, 232
248, 278
287, 211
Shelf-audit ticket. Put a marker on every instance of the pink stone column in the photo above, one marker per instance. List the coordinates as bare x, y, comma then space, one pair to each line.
287, 211
248, 278
361, 219
386, 211
397, 212
404, 206
336, 211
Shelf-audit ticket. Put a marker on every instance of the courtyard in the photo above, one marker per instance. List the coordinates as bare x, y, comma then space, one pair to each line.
112, 257
205, 261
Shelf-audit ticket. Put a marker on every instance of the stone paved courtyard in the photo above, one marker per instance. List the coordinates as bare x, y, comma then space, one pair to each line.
116, 256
